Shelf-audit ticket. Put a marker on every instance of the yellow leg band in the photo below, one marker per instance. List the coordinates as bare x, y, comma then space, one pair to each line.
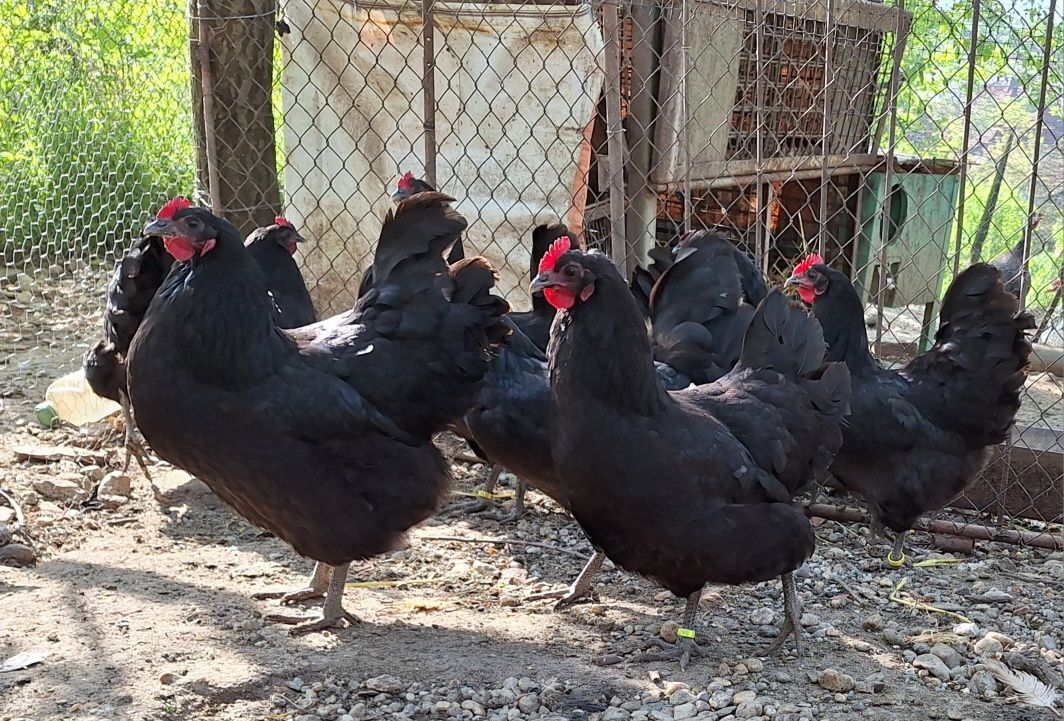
895, 562
685, 633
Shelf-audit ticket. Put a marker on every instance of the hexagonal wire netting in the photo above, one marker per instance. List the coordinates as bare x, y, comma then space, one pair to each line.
901, 141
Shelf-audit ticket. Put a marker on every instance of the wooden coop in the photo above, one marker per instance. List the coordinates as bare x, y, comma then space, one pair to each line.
757, 176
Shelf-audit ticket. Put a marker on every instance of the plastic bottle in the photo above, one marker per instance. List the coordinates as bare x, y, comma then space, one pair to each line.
70, 399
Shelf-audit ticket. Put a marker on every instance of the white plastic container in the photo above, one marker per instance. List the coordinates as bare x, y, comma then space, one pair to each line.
71, 399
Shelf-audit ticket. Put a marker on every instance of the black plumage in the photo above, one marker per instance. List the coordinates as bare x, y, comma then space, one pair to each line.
918, 435
273, 247
660, 481
322, 434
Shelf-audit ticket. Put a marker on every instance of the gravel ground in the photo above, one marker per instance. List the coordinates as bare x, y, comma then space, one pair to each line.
139, 603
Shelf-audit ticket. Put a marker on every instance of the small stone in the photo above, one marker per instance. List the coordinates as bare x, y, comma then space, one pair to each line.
114, 483
610, 659
933, 665
17, 554
684, 711
668, 631
681, 696
167, 678
474, 708
809, 620
993, 595
441, 707
720, 699
873, 623
112, 503
60, 489
614, 713
528, 704
347, 717
94, 473
955, 713
295, 684
763, 617
175, 487
894, 637
982, 684
836, 681
988, 646
307, 717
755, 665
6, 514
742, 697
385, 683
966, 629
750, 709
947, 654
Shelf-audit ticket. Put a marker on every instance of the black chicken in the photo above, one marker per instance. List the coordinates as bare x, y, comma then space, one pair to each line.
621, 443
321, 434
1016, 274
272, 247
917, 436
136, 277
700, 307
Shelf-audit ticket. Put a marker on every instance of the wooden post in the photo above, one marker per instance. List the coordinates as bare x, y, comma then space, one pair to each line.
428, 88
232, 91
642, 213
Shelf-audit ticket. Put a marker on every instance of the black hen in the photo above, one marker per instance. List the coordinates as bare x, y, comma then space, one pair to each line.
321, 435
700, 307
272, 247
621, 443
917, 436
136, 278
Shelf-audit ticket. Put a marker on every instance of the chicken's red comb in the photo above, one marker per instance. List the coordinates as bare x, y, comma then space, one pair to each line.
281, 221
557, 249
167, 211
406, 180
808, 263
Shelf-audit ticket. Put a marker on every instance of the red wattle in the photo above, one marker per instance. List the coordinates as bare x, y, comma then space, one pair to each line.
807, 294
180, 248
561, 298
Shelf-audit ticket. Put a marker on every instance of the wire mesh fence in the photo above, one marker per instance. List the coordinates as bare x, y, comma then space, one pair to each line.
901, 141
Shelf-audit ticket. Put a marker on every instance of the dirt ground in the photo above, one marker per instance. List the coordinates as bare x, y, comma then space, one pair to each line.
142, 610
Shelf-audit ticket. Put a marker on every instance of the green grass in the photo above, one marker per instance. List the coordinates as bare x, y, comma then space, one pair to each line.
94, 122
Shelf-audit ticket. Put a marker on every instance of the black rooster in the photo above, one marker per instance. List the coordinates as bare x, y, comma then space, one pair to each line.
917, 436
273, 248
660, 481
322, 435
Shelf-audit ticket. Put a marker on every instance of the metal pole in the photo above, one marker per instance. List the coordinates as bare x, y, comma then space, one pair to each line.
888, 172
761, 226
210, 138
615, 134
688, 201
825, 128
428, 88
969, 98
1039, 125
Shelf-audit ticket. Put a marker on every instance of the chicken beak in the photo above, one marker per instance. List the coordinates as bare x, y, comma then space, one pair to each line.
399, 195
792, 281
159, 226
541, 281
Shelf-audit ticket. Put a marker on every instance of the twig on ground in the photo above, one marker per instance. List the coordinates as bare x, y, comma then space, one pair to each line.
504, 542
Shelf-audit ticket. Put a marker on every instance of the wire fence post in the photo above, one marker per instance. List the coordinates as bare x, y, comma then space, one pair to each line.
203, 54
428, 87
615, 135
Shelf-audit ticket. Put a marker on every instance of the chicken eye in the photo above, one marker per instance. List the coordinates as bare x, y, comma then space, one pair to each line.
569, 271
191, 223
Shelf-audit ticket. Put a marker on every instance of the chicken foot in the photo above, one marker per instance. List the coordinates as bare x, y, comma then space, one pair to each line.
792, 608
578, 588
134, 448
319, 583
685, 645
517, 511
333, 614
482, 503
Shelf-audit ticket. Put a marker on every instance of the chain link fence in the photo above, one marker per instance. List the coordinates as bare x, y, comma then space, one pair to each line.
900, 140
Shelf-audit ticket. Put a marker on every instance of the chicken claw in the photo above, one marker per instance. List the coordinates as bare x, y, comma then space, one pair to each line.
333, 613
685, 645
515, 513
792, 607
319, 582
133, 445
578, 588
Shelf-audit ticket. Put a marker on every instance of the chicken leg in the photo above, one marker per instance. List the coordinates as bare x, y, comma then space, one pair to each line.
685, 645
896, 556
578, 588
134, 448
483, 495
333, 614
517, 511
792, 624
319, 583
